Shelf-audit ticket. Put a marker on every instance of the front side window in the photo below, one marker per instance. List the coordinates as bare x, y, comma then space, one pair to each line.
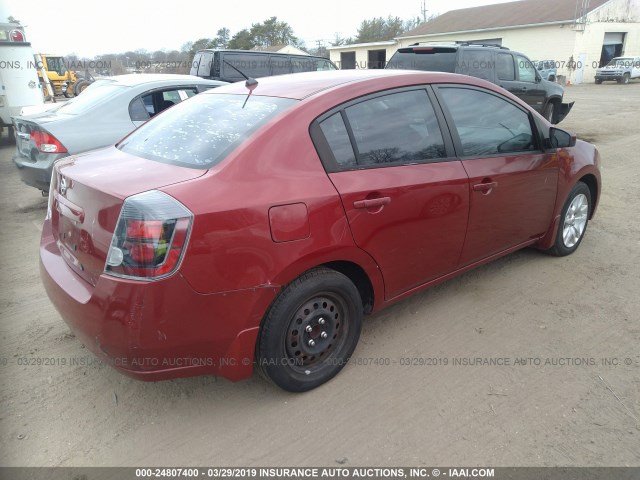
487, 124
526, 72
203, 131
396, 128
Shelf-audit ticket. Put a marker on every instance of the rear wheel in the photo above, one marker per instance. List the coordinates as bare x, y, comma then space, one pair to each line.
598, 81
573, 221
310, 331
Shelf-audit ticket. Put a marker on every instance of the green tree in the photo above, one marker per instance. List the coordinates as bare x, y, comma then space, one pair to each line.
222, 38
266, 34
379, 29
242, 40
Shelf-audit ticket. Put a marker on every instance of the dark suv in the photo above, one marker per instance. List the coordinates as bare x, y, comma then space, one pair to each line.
511, 70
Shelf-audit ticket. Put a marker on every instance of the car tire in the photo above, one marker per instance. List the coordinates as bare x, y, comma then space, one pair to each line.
310, 331
549, 112
625, 79
598, 81
574, 219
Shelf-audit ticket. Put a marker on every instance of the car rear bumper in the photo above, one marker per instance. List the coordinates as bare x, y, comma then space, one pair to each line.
36, 173
156, 330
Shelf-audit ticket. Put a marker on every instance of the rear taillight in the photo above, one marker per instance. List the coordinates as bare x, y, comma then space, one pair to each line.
46, 142
16, 36
150, 237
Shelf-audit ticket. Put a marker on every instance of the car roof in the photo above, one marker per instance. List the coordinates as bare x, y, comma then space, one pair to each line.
302, 85
134, 79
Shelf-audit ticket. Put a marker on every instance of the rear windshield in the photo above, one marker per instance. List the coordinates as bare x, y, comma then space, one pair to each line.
202, 130
91, 97
432, 59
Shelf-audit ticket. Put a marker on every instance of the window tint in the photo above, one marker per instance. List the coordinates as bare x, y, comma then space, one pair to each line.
201, 132
504, 67
396, 128
251, 64
280, 64
477, 63
138, 110
337, 137
526, 72
436, 59
487, 124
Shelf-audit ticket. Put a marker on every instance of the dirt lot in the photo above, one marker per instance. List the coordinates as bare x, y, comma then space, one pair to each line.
573, 321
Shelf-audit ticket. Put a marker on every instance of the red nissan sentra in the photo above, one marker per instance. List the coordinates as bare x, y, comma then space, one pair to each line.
256, 224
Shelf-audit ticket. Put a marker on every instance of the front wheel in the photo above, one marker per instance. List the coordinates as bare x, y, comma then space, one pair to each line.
310, 331
598, 81
573, 221
625, 79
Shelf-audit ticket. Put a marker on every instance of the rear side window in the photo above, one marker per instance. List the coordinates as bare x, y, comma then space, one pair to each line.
335, 132
477, 63
203, 131
504, 67
397, 128
487, 124
251, 64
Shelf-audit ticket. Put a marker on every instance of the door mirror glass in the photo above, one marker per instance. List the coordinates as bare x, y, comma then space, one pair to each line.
560, 138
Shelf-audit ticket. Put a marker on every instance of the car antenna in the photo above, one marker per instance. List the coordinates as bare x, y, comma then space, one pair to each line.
250, 83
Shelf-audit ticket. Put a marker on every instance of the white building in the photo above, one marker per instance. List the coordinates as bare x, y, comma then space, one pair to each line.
578, 33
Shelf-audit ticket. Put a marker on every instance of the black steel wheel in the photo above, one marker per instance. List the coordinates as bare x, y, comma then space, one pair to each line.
311, 331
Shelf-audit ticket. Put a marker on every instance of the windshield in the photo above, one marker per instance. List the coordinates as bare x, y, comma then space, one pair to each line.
203, 130
621, 62
92, 97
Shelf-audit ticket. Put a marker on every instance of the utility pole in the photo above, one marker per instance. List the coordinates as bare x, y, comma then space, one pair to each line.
424, 10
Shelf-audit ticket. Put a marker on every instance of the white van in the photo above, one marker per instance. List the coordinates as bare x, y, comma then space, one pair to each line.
19, 84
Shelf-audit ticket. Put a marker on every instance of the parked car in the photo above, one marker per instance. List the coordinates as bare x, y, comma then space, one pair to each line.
259, 223
234, 65
548, 69
511, 70
105, 112
620, 69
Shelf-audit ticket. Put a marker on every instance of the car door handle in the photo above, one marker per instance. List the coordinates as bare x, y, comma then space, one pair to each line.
372, 202
485, 186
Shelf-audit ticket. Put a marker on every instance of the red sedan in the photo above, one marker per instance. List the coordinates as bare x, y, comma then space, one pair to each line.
258, 223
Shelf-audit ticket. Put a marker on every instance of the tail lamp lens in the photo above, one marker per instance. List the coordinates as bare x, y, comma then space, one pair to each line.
150, 237
46, 142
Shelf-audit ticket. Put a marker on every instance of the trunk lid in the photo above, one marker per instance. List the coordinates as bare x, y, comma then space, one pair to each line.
87, 194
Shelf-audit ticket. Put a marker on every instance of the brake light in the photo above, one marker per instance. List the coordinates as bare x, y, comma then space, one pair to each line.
16, 36
46, 142
422, 49
150, 237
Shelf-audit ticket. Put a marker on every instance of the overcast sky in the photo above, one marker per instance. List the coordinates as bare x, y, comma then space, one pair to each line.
114, 26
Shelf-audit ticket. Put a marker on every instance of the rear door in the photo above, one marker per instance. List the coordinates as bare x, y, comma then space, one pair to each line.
512, 181
405, 197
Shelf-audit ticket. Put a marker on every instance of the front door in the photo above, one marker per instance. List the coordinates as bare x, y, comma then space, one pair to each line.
512, 181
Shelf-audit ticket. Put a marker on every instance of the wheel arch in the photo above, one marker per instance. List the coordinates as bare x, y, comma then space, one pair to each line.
590, 181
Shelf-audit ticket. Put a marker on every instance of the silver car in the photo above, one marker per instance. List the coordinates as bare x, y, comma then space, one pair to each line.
105, 112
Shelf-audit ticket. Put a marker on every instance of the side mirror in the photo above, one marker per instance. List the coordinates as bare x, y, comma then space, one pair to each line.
560, 138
